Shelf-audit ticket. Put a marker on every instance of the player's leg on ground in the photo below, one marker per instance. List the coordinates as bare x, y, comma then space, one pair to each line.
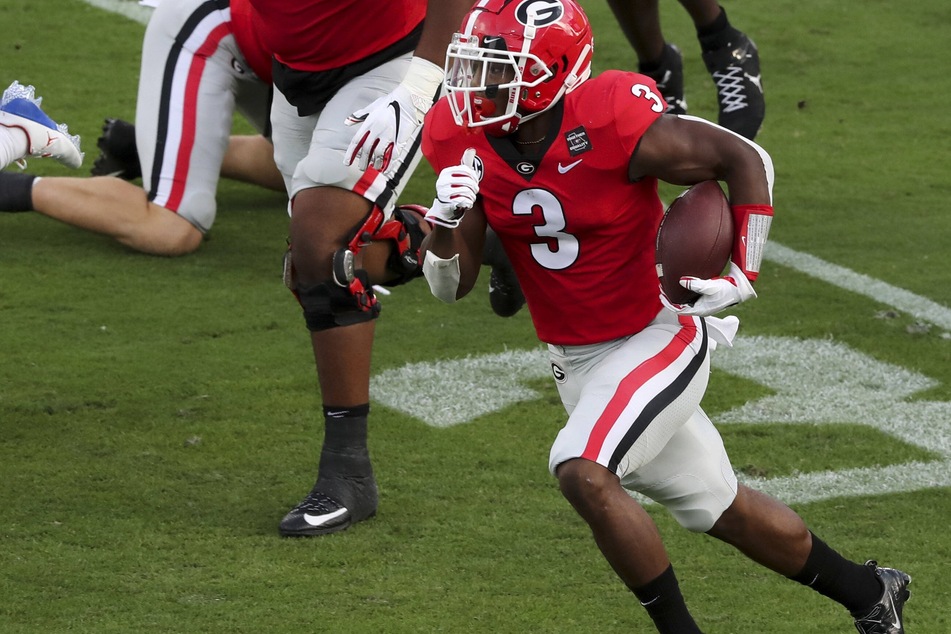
106, 205
250, 159
773, 535
322, 222
640, 22
702, 12
326, 214
765, 530
629, 540
118, 209
732, 60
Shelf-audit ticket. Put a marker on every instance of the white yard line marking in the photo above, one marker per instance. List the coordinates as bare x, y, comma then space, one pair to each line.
127, 8
898, 298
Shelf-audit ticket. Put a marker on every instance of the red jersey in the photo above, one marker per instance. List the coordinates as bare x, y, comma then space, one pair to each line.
579, 233
245, 27
319, 35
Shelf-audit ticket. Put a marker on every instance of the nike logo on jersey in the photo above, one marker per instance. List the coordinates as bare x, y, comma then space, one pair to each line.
756, 81
320, 520
564, 169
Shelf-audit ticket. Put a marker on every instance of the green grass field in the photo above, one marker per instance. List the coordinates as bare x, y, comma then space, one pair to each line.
159, 416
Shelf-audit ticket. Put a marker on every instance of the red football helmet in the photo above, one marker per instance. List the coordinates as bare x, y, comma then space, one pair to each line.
537, 50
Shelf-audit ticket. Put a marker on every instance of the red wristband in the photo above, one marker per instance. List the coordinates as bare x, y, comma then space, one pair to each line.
750, 229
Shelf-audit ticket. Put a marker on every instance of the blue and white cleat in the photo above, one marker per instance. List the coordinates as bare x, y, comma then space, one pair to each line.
19, 108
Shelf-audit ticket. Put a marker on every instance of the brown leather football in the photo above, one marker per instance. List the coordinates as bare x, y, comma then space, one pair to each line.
695, 239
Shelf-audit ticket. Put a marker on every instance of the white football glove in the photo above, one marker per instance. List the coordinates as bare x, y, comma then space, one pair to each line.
715, 294
390, 124
456, 191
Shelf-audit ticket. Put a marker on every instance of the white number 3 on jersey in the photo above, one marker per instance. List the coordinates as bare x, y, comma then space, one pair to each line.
657, 103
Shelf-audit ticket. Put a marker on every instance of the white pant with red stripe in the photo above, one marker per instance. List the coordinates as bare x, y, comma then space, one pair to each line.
634, 407
192, 79
309, 151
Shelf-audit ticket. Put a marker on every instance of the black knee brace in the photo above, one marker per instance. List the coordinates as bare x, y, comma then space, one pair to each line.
329, 305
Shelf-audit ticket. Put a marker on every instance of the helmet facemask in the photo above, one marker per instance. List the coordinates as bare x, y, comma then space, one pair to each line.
531, 52
477, 74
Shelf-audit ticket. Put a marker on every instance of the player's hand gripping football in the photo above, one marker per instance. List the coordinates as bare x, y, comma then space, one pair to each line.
715, 294
391, 123
456, 191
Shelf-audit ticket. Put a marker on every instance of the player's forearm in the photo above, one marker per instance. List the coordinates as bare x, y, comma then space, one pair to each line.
450, 263
750, 181
443, 18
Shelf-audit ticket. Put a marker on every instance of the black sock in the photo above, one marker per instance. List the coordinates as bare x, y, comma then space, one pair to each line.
830, 574
717, 34
344, 453
16, 192
345, 472
347, 425
665, 605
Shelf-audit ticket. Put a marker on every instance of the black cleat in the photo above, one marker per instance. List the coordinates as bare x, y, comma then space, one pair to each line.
505, 294
118, 155
669, 78
734, 67
321, 514
885, 617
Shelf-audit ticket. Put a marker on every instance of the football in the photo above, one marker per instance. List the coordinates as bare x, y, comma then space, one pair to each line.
695, 238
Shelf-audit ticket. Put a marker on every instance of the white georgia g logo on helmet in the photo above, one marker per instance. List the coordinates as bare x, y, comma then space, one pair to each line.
545, 12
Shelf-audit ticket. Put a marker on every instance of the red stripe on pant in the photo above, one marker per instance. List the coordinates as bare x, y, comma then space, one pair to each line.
193, 81
631, 383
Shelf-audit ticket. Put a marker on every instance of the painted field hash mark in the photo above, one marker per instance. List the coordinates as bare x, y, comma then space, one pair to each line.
813, 382
823, 382
456, 391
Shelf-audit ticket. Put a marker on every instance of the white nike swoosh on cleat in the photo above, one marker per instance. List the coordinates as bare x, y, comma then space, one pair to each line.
564, 169
320, 520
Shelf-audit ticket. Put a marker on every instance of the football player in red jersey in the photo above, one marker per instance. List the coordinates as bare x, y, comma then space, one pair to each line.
565, 170
201, 61
353, 80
